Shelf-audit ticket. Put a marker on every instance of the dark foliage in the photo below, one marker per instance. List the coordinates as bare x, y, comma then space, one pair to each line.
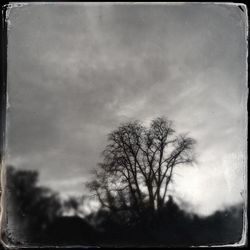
171, 226
35, 214
30, 208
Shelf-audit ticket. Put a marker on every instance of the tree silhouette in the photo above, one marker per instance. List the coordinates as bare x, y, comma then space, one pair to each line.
138, 165
34, 214
31, 208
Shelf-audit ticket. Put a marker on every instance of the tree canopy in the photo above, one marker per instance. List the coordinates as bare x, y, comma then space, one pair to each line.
138, 165
31, 208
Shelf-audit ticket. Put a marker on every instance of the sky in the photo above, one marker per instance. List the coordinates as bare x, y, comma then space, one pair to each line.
76, 71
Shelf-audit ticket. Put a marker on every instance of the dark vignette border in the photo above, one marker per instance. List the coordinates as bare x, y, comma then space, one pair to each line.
3, 90
3, 97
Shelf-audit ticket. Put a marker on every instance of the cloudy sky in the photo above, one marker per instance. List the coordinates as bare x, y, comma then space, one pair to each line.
76, 71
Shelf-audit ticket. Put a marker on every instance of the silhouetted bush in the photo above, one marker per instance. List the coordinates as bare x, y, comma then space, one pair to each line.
30, 208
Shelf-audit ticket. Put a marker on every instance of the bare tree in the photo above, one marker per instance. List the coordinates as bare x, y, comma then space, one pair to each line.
138, 165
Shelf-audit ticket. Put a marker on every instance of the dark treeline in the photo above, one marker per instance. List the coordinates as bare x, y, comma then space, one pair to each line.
131, 185
37, 219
